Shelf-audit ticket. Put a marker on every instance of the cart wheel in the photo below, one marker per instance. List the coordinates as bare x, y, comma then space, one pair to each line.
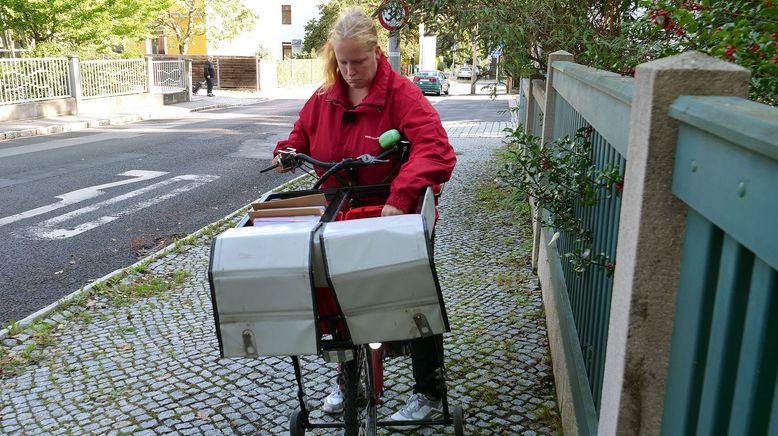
373, 370
296, 424
350, 376
459, 421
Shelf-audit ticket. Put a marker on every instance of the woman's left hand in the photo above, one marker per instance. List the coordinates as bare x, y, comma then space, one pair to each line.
390, 210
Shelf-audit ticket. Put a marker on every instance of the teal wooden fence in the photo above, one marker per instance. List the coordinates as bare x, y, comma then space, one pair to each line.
589, 291
723, 366
584, 97
718, 374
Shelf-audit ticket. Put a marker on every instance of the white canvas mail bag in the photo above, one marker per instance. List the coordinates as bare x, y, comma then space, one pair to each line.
261, 290
383, 275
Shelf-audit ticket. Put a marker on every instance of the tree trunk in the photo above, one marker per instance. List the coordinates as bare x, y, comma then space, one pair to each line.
7, 41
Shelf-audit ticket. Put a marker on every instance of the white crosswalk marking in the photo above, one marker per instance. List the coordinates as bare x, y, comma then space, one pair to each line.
49, 230
80, 195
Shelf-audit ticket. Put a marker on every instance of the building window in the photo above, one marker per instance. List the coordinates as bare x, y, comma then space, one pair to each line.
286, 50
286, 14
158, 44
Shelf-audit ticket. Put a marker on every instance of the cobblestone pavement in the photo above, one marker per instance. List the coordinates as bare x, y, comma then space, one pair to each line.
151, 365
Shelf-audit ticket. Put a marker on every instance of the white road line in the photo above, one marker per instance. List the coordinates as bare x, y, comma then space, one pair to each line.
48, 230
80, 195
56, 143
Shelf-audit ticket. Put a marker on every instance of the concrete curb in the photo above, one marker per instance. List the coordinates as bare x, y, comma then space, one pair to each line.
73, 127
42, 313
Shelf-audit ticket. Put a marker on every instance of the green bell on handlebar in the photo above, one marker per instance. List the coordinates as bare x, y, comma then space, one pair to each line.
389, 139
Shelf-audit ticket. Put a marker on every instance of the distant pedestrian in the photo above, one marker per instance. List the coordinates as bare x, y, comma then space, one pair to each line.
209, 72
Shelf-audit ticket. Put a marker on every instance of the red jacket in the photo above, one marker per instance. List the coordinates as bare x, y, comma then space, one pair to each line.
393, 102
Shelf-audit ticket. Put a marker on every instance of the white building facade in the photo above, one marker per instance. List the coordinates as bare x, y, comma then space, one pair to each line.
279, 30
428, 47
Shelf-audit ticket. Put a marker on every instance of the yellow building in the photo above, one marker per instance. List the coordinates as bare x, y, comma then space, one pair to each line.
166, 41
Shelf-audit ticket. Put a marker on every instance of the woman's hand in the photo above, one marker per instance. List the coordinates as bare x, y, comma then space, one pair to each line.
280, 168
390, 210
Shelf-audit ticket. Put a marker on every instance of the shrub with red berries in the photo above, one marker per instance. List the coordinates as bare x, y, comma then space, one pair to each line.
744, 32
561, 178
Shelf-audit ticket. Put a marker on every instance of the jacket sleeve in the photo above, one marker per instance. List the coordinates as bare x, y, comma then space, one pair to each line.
299, 138
431, 160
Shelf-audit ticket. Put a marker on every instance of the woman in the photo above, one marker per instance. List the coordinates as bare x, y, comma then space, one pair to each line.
361, 98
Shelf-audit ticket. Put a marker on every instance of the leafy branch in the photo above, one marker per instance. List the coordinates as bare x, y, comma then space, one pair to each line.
561, 178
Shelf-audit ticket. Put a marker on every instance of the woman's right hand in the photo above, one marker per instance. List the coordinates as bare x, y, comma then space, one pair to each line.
280, 168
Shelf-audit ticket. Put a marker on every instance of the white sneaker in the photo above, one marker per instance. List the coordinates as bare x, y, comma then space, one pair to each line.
419, 406
334, 402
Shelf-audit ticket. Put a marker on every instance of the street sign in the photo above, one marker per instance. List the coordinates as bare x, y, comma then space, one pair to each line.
393, 14
497, 51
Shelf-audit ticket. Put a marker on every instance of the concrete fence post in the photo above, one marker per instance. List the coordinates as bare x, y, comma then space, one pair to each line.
188, 79
74, 70
650, 239
529, 113
546, 136
149, 74
520, 115
548, 110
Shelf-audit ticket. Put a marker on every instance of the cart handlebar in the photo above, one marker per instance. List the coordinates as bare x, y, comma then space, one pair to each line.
390, 141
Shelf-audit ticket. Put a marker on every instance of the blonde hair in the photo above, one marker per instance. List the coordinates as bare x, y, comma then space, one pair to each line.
352, 24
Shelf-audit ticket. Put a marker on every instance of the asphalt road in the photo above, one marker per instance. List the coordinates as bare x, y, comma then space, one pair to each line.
76, 206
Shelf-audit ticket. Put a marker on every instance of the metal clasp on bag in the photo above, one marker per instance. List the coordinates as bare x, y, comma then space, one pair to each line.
249, 346
422, 325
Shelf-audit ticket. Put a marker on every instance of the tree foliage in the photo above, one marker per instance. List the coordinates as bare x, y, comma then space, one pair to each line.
528, 30
614, 35
743, 32
90, 25
221, 20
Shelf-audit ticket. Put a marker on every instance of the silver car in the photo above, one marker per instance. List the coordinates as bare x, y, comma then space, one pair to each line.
466, 72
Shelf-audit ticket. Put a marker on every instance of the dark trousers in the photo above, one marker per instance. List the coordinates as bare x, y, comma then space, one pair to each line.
426, 356
209, 83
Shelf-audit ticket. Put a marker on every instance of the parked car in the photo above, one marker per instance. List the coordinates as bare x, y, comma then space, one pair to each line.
431, 81
466, 72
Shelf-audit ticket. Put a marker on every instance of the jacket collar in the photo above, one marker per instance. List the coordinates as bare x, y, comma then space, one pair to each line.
376, 96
